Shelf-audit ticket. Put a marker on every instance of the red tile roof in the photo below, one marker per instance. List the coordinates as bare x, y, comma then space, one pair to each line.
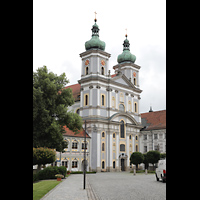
113, 75
75, 91
81, 133
156, 120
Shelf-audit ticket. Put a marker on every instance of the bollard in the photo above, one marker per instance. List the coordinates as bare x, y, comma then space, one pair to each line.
134, 172
146, 171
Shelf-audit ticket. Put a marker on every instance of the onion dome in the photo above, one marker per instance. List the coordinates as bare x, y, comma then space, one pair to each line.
126, 56
95, 42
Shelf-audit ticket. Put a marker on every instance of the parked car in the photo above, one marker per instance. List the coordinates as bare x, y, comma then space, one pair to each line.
161, 170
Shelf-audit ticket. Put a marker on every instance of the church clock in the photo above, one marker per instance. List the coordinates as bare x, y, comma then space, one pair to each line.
87, 62
103, 63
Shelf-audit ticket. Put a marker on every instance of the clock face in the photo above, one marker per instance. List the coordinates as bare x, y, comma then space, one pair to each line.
134, 74
87, 62
103, 62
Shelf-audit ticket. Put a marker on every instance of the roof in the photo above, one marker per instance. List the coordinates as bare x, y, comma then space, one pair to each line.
81, 133
75, 91
154, 120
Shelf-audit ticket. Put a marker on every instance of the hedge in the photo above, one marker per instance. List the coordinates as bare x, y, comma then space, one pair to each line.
49, 173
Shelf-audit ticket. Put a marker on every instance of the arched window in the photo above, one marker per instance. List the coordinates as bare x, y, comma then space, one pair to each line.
136, 148
121, 97
135, 107
113, 102
103, 146
103, 134
122, 135
129, 105
134, 81
103, 99
113, 164
86, 99
121, 107
113, 135
103, 165
86, 71
102, 70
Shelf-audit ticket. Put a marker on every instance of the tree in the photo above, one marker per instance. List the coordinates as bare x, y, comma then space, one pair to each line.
42, 156
136, 158
145, 161
153, 157
50, 112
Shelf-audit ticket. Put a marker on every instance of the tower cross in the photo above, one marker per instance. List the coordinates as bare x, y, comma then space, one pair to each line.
95, 14
126, 32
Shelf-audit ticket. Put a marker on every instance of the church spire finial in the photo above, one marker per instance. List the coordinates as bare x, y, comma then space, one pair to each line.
95, 16
126, 33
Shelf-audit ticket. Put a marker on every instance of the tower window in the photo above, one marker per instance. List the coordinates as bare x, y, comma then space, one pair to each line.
86, 99
102, 70
134, 81
135, 107
86, 71
103, 97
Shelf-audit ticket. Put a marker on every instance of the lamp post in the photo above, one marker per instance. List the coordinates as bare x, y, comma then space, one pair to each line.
84, 159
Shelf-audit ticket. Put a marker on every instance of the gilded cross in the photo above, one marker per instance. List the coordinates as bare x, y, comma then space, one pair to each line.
95, 14
126, 32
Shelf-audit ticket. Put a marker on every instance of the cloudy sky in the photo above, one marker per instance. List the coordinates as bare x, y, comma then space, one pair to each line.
61, 28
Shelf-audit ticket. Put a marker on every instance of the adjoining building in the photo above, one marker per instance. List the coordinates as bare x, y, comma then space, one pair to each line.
153, 133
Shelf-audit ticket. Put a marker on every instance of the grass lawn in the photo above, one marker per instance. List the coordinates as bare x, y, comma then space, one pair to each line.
42, 187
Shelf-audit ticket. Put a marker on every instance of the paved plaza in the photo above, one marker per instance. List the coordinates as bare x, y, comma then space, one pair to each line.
124, 185
109, 186
70, 188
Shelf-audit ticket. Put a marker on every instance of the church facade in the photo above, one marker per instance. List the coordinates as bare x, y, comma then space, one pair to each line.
109, 104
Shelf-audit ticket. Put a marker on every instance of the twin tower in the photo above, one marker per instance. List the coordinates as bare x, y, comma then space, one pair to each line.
110, 105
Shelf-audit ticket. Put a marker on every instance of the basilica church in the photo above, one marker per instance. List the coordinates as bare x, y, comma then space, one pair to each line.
110, 106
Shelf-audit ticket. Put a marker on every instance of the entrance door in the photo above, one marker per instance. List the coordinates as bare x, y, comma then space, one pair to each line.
122, 165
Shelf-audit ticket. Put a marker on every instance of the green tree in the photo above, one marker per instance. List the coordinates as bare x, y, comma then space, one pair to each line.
145, 161
153, 157
42, 156
136, 158
163, 155
50, 109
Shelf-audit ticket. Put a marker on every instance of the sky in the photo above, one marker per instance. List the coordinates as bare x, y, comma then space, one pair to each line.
61, 28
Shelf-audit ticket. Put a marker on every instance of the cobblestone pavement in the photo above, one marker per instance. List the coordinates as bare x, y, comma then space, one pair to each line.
70, 188
124, 185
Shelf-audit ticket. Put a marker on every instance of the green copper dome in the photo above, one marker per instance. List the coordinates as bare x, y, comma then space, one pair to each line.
95, 42
126, 55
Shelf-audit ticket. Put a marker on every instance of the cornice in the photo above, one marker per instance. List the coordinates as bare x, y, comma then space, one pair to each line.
95, 51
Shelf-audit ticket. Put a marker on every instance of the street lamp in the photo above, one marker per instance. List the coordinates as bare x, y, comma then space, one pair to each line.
84, 160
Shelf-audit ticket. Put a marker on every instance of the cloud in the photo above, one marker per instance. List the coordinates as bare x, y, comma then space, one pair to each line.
153, 78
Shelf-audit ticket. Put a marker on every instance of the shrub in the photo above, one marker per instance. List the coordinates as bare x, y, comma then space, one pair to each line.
48, 173
62, 170
35, 177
